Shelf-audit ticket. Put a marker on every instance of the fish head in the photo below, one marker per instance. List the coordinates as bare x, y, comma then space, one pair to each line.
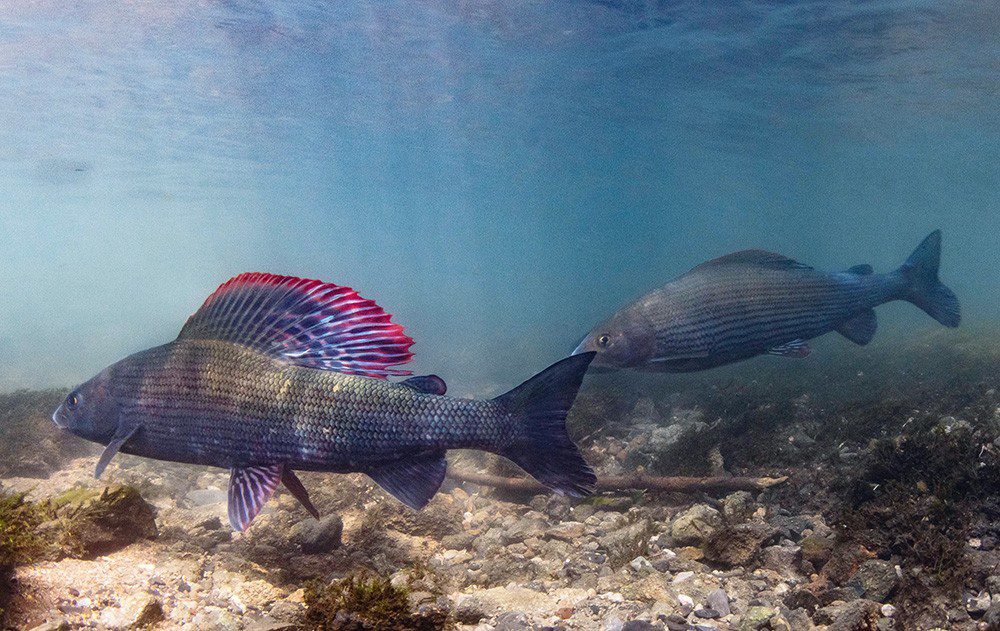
626, 340
90, 410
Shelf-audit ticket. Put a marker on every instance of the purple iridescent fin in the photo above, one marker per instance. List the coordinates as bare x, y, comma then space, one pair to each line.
306, 322
249, 490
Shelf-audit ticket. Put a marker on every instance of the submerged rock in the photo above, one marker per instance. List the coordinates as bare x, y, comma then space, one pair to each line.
317, 536
875, 580
737, 545
696, 524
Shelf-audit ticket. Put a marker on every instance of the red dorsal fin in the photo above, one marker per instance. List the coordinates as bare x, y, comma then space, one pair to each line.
306, 322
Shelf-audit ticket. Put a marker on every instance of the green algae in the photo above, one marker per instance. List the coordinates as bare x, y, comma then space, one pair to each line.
371, 602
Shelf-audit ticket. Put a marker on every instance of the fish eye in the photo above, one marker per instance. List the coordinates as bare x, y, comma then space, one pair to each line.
72, 401
603, 340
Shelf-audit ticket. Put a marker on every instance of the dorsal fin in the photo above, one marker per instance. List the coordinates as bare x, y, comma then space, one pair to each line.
760, 258
305, 322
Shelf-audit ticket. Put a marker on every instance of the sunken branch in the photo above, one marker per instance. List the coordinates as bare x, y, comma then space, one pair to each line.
637, 481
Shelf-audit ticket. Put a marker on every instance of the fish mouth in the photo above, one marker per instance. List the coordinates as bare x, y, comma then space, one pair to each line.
57, 415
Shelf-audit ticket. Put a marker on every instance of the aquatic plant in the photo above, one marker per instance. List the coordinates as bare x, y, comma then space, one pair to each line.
363, 602
20, 543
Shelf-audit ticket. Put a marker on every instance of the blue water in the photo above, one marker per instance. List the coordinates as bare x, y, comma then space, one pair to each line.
500, 175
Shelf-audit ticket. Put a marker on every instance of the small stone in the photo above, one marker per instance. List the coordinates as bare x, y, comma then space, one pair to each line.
816, 549
695, 525
738, 507
469, 609
876, 580
138, 610
641, 564
511, 621
888, 610
639, 625
565, 613
707, 613
737, 545
52, 625
685, 601
757, 617
676, 622
718, 600
567, 531
977, 604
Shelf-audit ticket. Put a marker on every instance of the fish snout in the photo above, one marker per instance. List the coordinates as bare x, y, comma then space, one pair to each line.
59, 417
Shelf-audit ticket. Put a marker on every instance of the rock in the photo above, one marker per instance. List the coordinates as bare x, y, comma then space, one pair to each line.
567, 531
857, 614
640, 625
468, 609
737, 545
977, 604
718, 600
782, 559
136, 611
676, 622
511, 621
875, 580
738, 507
52, 625
641, 564
992, 617
816, 549
98, 521
757, 617
318, 536
695, 525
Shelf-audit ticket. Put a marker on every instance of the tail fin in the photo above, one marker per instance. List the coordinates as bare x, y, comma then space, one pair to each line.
924, 288
540, 444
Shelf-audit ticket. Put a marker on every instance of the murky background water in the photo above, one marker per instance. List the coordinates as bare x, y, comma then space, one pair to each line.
500, 175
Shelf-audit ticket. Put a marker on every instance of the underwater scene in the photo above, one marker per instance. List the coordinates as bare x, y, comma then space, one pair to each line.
500, 314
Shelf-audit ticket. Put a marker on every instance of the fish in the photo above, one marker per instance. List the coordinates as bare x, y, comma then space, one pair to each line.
278, 374
754, 302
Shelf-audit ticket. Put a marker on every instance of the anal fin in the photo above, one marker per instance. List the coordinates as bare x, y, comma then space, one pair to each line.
249, 490
795, 349
861, 328
413, 480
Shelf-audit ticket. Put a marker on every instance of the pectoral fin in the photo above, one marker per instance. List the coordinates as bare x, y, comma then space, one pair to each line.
109, 452
796, 349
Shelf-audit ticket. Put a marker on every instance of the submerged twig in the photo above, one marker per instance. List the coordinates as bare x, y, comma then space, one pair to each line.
636, 481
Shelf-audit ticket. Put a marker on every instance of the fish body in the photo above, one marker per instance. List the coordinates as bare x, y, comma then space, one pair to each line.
213, 402
276, 374
754, 302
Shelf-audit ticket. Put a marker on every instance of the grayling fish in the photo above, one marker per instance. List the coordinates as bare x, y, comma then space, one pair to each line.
275, 374
755, 302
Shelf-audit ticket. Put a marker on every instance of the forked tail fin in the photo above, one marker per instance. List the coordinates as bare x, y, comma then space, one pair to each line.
924, 289
540, 444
